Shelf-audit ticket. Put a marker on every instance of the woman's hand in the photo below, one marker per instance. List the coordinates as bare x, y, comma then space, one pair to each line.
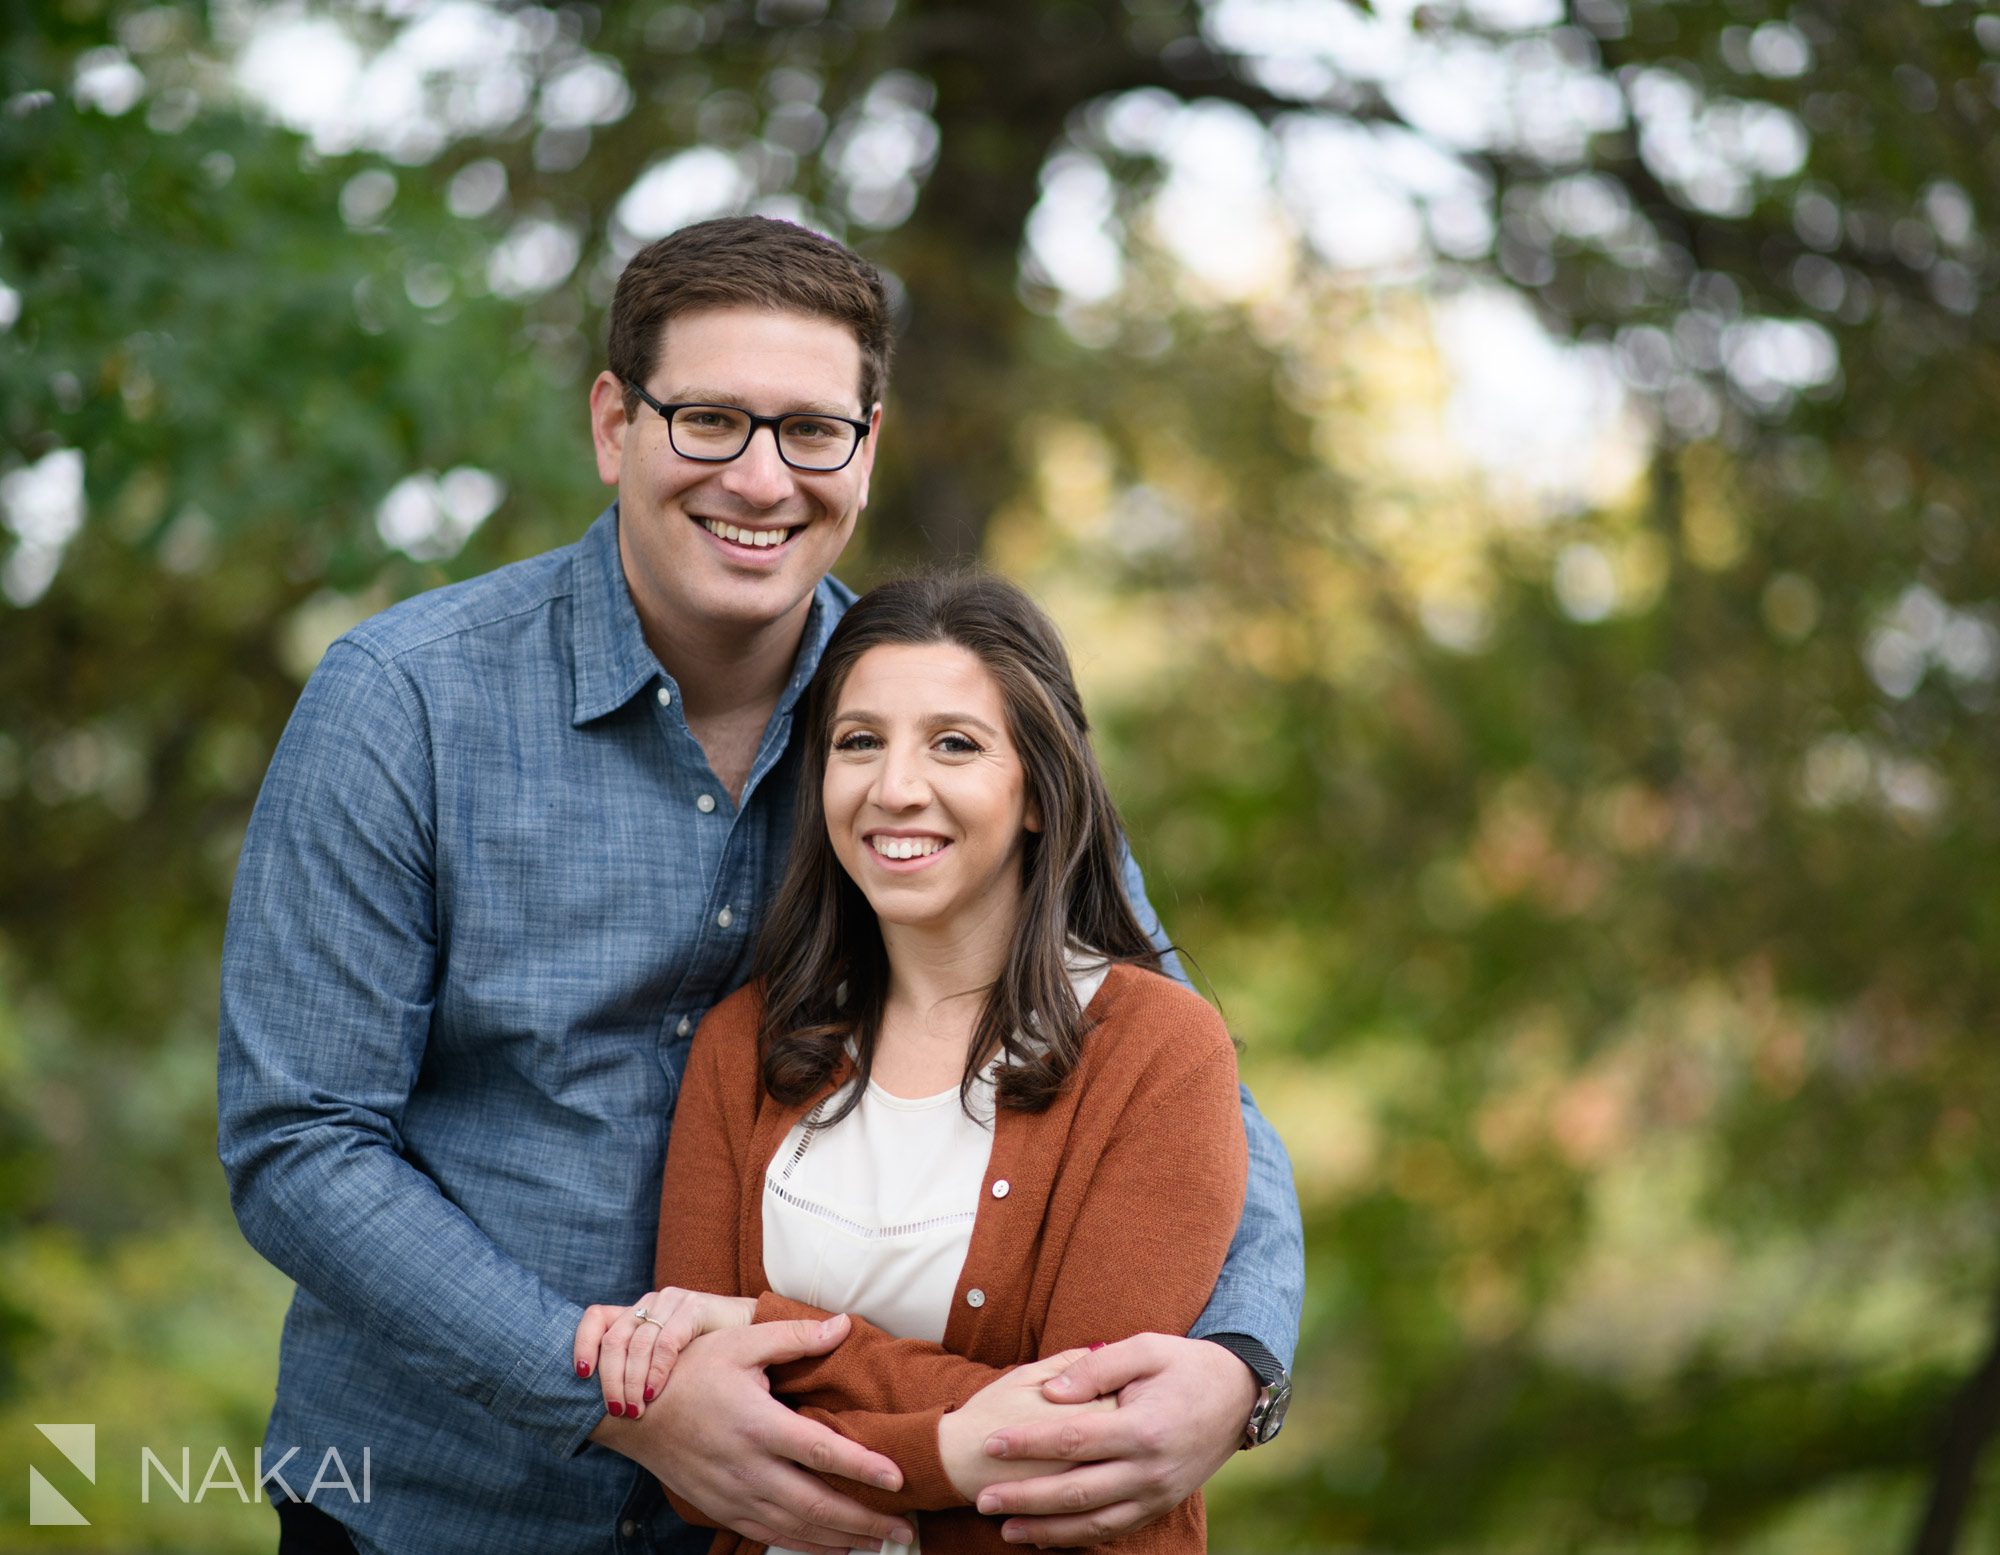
1015, 1399
631, 1349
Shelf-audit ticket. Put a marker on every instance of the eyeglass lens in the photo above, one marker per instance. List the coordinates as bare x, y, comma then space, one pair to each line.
723, 432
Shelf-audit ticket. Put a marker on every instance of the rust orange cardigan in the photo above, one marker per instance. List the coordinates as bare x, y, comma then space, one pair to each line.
1122, 1197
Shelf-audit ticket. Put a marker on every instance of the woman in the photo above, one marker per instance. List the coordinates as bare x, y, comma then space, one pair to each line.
958, 1101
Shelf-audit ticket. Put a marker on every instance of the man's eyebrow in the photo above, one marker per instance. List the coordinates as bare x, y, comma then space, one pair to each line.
700, 396
862, 715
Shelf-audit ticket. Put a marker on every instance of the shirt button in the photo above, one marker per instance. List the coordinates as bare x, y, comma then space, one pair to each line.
975, 1298
682, 1029
705, 803
630, 1529
1000, 1189
724, 918
666, 700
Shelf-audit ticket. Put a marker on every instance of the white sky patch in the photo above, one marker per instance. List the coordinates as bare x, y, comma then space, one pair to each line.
691, 186
1217, 213
42, 504
430, 517
1537, 412
536, 254
457, 68
107, 80
882, 154
1071, 236
1772, 360
1358, 206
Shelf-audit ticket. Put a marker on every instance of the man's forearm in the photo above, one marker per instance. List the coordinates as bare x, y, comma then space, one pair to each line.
1262, 1288
366, 1234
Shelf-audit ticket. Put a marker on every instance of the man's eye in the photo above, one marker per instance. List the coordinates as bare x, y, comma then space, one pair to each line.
811, 431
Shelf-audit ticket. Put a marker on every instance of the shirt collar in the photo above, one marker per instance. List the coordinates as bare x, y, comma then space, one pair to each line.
613, 663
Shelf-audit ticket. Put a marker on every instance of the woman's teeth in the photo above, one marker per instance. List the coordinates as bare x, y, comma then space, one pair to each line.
759, 538
906, 847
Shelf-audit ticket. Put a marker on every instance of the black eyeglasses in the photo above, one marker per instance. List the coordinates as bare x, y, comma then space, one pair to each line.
715, 434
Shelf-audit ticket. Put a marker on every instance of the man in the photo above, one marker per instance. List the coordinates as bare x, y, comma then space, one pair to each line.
514, 844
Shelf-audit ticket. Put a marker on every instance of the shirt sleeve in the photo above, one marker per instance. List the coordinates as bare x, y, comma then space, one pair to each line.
1262, 1289
329, 967
1175, 1143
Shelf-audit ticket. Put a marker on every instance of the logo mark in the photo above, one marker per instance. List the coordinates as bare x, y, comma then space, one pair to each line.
47, 1506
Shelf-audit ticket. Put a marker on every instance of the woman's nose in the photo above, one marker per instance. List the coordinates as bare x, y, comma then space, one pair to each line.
900, 784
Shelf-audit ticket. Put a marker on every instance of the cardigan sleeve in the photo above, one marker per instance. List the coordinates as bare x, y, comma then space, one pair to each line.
1150, 1236
697, 1250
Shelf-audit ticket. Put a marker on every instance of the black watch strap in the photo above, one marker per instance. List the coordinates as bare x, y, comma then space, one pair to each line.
1263, 1364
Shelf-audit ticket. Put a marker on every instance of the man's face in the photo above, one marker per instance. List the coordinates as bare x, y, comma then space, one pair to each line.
674, 513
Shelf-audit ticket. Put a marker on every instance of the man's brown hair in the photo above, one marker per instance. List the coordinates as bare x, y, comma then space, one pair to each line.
753, 262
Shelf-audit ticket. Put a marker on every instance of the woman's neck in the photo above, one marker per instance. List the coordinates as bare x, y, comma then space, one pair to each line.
939, 977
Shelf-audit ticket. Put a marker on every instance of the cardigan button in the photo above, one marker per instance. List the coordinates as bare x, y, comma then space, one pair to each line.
975, 1298
1000, 1189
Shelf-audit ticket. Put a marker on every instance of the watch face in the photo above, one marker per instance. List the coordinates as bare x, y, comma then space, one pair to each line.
1270, 1412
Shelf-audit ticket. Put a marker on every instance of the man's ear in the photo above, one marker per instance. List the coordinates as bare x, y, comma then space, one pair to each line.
608, 426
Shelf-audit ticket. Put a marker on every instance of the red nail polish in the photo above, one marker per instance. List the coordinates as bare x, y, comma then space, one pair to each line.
583, 1368
651, 1394
1099, 1345
618, 1409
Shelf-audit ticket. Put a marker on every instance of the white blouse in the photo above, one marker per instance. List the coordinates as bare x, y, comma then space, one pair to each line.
874, 1215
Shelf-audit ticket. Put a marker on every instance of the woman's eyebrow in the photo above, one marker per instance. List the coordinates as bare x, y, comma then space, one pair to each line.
862, 715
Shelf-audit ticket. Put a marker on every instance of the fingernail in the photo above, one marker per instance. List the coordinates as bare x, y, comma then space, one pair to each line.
988, 1502
583, 1368
632, 1411
1099, 1345
1062, 1384
1012, 1534
826, 1329
651, 1394
905, 1534
618, 1409
996, 1446
888, 1481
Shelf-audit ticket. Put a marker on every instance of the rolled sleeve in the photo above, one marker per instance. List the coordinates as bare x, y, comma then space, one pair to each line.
1262, 1290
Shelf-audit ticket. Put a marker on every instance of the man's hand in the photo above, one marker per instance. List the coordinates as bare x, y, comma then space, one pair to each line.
1182, 1406
1014, 1398
718, 1439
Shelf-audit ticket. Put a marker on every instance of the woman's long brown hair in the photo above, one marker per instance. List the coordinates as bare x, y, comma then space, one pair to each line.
822, 936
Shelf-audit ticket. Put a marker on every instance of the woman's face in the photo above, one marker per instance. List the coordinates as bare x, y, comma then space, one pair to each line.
925, 796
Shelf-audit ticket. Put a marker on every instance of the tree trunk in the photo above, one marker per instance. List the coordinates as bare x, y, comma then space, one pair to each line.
1975, 1412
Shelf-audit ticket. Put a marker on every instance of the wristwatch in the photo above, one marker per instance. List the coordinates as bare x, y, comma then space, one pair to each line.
1267, 1415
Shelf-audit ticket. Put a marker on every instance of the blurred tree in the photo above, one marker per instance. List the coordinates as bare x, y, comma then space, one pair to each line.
1639, 879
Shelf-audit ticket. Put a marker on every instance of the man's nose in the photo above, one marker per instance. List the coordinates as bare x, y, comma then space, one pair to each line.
758, 475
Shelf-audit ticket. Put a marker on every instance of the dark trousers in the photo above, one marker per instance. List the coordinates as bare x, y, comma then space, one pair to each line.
303, 1529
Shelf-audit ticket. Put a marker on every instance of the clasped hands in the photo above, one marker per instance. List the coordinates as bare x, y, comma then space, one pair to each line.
1074, 1449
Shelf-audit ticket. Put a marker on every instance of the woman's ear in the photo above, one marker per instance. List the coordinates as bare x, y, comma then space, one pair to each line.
1031, 820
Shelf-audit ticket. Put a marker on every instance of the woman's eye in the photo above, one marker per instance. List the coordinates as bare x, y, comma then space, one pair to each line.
857, 741
957, 745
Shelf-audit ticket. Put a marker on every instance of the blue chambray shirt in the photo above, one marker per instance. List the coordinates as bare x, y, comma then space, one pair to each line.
489, 889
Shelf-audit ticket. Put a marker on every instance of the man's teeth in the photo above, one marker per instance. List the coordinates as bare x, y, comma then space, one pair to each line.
906, 847
756, 537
